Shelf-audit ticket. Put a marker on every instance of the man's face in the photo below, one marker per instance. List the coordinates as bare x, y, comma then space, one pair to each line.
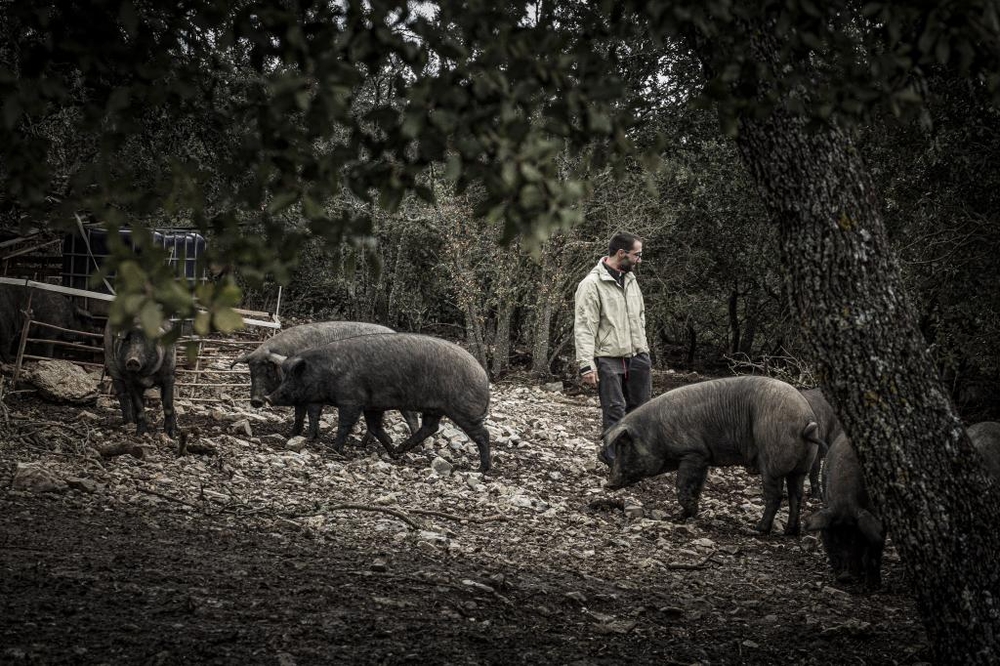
630, 259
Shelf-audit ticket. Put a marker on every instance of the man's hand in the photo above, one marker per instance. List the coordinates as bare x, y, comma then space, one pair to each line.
590, 378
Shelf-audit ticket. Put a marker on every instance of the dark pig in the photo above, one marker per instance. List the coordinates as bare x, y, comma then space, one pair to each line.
829, 429
853, 536
136, 363
47, 307
265, 363
985, 435
374, 373
758, 422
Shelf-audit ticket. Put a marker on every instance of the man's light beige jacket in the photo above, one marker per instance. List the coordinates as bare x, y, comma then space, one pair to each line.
609, 320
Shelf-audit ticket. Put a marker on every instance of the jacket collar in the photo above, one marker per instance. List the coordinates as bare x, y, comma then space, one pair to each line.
603, 274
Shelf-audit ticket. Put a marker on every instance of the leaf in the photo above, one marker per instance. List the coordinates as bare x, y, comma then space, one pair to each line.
598, 121
531, 173
229, 294
130, 276
191, 350
412, 125
454, 168
390, 197
202, 322
282, 200
227, 320
150, 318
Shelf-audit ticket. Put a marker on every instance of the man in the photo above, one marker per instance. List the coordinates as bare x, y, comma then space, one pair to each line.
610, 331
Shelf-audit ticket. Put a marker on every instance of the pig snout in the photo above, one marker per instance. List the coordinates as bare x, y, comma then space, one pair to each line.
133, 364
615, 480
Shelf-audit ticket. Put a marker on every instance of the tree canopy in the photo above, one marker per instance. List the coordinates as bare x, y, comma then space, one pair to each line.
297, 118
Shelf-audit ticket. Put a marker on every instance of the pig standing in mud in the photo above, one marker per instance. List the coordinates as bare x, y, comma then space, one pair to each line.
265, 364
829, 429
136, 363
47, 307
853, 536
753, 421
374, 373
985, 436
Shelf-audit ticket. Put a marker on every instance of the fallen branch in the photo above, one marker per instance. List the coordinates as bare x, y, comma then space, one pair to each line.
37, 424
472, 589
702, 564
447, 516
150, 491
121, 448
381, 509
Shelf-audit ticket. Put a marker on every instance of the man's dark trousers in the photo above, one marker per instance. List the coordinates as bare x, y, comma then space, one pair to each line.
624, 384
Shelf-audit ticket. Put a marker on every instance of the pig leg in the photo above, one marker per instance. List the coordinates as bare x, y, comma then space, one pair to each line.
412, 421
815, 489
691, 474
427, 428
772, 501
478, 434
795, 483
138, 397
373, 419
124, 399
347, 416
313, 409
300, 417
169, 415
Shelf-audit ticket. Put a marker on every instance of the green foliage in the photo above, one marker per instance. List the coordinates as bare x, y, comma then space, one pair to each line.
941, 184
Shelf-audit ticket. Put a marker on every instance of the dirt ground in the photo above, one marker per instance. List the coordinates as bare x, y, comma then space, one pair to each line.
256, 554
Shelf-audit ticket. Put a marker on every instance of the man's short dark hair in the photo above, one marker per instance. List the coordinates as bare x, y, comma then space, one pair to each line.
622, 241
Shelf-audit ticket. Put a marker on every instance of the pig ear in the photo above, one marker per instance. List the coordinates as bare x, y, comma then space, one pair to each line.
277, 359
297, 367
817, 521
242, 359
619, 438
870, 526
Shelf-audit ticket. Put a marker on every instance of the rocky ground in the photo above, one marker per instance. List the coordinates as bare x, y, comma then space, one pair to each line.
247, 548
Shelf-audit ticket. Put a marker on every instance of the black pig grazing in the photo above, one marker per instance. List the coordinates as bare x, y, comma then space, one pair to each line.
136, 363
986, 437
265, 363
374, 373
47, 307
853, 536
759, 422
829, 429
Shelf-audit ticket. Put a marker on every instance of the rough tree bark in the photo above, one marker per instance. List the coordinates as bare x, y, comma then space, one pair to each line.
918, 463
501, 342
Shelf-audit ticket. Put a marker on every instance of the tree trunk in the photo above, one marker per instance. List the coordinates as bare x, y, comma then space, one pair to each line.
734, 320
474, 332
920, 468
543, 322
750, 311
692, 343
501, 342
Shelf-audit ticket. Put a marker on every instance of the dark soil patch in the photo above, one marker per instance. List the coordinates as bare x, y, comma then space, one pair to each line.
123, 575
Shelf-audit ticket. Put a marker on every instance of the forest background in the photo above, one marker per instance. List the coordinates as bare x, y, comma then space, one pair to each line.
433, 262
456, 167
